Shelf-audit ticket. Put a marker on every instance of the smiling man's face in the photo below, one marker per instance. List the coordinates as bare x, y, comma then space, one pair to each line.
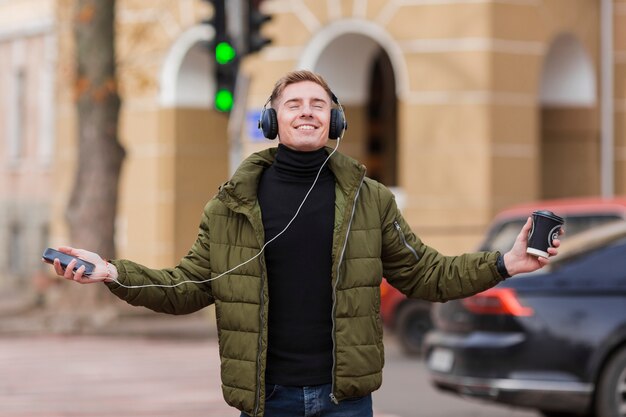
303, 111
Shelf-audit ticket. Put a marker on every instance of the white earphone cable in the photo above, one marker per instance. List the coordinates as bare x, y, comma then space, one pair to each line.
262, 248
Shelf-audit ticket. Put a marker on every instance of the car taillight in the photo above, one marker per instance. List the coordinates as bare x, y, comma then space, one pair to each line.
497, 301
384, 289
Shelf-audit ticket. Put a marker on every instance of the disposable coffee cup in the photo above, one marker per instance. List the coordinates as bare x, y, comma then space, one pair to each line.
546, 228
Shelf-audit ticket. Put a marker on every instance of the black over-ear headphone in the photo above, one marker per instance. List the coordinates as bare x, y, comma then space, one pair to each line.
268, 122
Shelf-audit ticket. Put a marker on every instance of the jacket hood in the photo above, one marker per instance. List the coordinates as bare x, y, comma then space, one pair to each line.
241, 190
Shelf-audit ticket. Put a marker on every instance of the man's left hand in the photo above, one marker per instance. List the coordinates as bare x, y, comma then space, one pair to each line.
517, 261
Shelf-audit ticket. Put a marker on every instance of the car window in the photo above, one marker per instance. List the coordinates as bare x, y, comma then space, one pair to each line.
577, 224
603, 266
502, 236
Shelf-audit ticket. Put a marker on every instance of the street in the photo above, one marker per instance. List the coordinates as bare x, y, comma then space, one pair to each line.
93, 376
406, 392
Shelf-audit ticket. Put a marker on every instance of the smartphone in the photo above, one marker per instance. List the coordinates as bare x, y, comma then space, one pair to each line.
50, 254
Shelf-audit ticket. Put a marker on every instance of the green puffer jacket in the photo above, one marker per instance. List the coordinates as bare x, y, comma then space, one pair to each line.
371, 240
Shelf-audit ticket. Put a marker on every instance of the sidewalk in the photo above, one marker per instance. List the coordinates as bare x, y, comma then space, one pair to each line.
85, 376
19, 316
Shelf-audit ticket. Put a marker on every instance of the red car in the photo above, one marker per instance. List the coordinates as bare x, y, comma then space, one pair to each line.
579, 214
410, 319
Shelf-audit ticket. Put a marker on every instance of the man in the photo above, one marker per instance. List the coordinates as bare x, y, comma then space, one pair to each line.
296, 290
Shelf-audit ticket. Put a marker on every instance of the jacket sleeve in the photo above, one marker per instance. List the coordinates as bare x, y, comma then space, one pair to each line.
420, 271
182, 299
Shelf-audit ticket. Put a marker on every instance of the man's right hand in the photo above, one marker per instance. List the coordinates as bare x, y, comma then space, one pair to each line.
103, 271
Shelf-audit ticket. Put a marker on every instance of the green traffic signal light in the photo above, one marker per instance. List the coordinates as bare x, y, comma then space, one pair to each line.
224, 53
224, 100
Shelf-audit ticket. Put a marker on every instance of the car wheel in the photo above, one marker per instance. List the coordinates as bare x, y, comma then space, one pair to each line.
611, 395
412, 323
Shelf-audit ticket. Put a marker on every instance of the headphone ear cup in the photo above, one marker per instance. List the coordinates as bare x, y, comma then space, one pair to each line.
337, 124
269, 123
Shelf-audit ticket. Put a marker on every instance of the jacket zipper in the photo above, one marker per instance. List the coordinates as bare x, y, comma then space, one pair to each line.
260, 348
334, 309
397, 225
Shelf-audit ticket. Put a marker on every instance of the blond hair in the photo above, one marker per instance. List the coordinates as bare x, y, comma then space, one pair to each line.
297, 77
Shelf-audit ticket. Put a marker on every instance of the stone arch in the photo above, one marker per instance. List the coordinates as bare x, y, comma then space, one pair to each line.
568, 77
323, 47
570, 140
184, 80
366, 70
193, 140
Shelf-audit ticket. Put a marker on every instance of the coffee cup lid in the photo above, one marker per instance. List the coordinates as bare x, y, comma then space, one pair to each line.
550, 215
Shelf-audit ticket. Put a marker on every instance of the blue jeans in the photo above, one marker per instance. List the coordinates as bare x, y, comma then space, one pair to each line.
282, 401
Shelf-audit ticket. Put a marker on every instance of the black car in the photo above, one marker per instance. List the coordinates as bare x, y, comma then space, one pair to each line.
553, 340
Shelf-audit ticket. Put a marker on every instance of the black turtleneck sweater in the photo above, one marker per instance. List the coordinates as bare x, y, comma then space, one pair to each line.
299, 267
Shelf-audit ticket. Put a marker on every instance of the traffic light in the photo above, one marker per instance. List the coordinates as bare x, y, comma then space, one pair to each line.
226, 67
231, 43
255, 41
225, 58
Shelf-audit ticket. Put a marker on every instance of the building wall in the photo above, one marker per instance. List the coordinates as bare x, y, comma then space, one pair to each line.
471, 126
542, 149
28, 55
471, 131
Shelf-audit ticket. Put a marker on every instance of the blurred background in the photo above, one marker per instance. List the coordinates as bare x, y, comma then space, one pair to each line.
120, 119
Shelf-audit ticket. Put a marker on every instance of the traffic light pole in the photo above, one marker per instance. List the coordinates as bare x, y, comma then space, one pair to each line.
235, 26
236, 123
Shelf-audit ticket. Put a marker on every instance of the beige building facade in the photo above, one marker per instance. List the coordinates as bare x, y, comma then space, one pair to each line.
27, 71
461, 107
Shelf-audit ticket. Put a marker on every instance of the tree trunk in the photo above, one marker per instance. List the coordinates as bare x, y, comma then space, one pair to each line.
93, 204
92, 207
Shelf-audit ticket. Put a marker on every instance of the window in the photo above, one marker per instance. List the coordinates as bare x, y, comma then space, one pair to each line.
17, 118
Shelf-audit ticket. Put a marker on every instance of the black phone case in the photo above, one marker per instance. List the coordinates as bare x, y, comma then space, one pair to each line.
50, 254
